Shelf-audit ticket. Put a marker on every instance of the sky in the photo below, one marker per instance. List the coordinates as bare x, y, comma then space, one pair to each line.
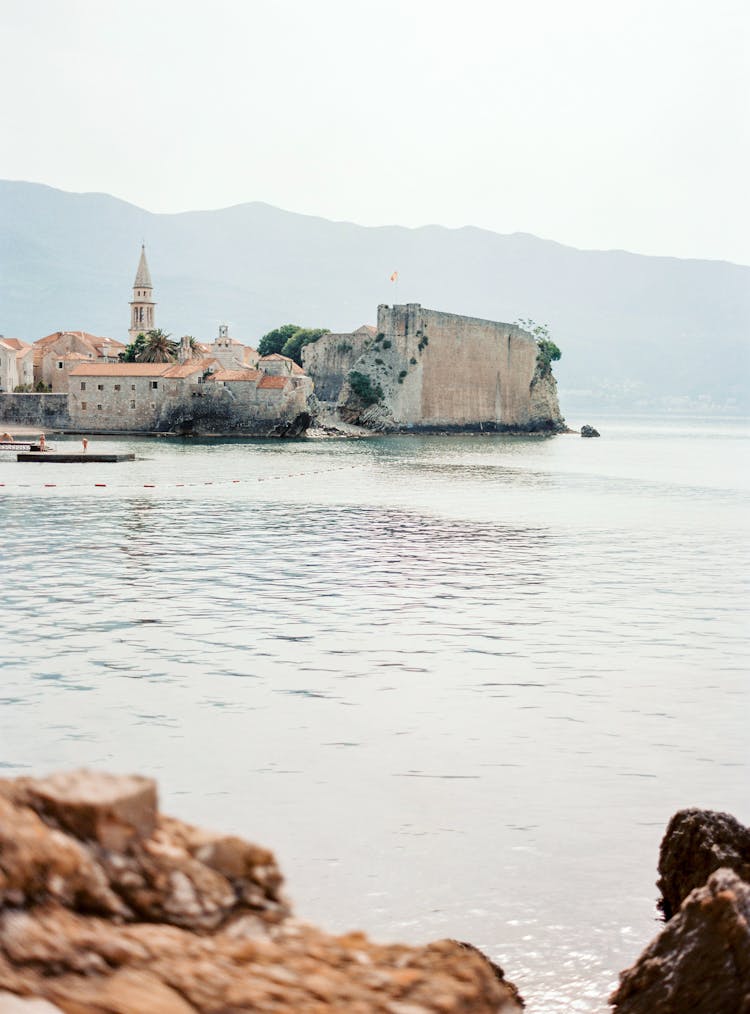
597, 123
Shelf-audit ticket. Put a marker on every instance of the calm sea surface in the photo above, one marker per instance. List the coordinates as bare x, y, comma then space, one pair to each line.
458, 684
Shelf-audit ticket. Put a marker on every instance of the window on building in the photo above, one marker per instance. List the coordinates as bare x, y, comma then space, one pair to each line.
154, 384
132, 404
83, 406
100, 387
83, 385
59, 365
117, 387
99, 407
132, 387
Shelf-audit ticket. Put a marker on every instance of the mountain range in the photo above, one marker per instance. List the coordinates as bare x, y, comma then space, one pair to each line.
636, 332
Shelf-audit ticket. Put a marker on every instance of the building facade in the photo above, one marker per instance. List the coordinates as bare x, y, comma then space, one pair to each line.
58, 353
198, 395
16, 364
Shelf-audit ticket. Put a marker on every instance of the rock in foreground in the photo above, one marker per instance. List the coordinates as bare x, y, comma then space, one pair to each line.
589, 431
108, 907
695, 845
700, 962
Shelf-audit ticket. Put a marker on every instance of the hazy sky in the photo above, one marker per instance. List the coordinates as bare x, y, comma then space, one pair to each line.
599, 123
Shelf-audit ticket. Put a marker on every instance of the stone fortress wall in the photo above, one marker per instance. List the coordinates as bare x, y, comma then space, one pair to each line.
439, 370
329, 360
44, 410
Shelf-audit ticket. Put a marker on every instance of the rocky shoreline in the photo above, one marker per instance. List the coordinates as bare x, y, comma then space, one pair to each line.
109, 907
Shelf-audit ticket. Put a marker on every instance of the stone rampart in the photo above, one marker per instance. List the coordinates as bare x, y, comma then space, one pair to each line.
329, 360
44, 410
438, 370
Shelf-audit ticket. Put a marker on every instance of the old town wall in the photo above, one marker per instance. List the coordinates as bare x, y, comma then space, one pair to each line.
439, 369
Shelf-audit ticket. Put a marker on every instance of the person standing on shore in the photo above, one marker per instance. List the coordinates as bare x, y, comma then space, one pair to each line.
85, 445
42, 442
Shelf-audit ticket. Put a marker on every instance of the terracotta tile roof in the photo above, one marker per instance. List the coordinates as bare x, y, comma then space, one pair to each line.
229, 375
76, 355
15, 343
296, 368
275, 357
367, 328
189, 368
92, 339
169, 371
273, 382
95, 342
101, 343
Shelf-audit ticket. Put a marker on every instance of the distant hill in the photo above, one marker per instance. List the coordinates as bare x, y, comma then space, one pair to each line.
636, 331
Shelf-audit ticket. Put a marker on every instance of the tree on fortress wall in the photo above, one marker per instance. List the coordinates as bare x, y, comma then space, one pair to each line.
289, 340
275, 340
152, 347
548, 352
304, 336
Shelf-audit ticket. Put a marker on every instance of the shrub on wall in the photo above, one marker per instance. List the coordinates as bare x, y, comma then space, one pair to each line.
364, 388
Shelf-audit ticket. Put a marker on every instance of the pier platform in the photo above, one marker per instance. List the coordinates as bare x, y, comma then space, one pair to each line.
67, 457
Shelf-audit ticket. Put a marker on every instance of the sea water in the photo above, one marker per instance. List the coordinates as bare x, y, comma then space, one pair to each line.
458, 684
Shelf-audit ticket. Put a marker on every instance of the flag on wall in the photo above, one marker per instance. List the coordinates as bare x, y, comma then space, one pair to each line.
394, 276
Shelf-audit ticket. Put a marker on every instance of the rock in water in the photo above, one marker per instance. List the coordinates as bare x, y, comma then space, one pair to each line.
589, 431
700, 962
108, 906
695, 844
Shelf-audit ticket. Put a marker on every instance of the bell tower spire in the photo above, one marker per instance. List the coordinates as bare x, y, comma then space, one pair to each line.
142, 305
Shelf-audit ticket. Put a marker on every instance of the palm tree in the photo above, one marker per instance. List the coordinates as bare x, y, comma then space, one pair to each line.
158, 348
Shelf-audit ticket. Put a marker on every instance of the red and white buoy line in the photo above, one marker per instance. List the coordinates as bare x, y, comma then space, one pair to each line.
4, 486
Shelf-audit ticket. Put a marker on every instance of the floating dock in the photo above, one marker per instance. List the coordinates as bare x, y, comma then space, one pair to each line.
62, 457
19, 445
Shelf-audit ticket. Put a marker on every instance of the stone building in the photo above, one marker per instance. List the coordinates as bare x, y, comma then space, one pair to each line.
130, 396
198, 395
232, 355
58, 353
142, 305
16, 363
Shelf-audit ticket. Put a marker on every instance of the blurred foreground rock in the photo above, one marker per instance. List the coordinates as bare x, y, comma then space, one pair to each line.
108, 907
700, 962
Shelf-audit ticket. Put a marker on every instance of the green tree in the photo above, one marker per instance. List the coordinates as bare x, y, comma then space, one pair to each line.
157, 348
134, 350
303, 336
548, 352
275, 340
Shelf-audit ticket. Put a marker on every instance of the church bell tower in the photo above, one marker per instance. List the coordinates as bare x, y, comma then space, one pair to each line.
142, 305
